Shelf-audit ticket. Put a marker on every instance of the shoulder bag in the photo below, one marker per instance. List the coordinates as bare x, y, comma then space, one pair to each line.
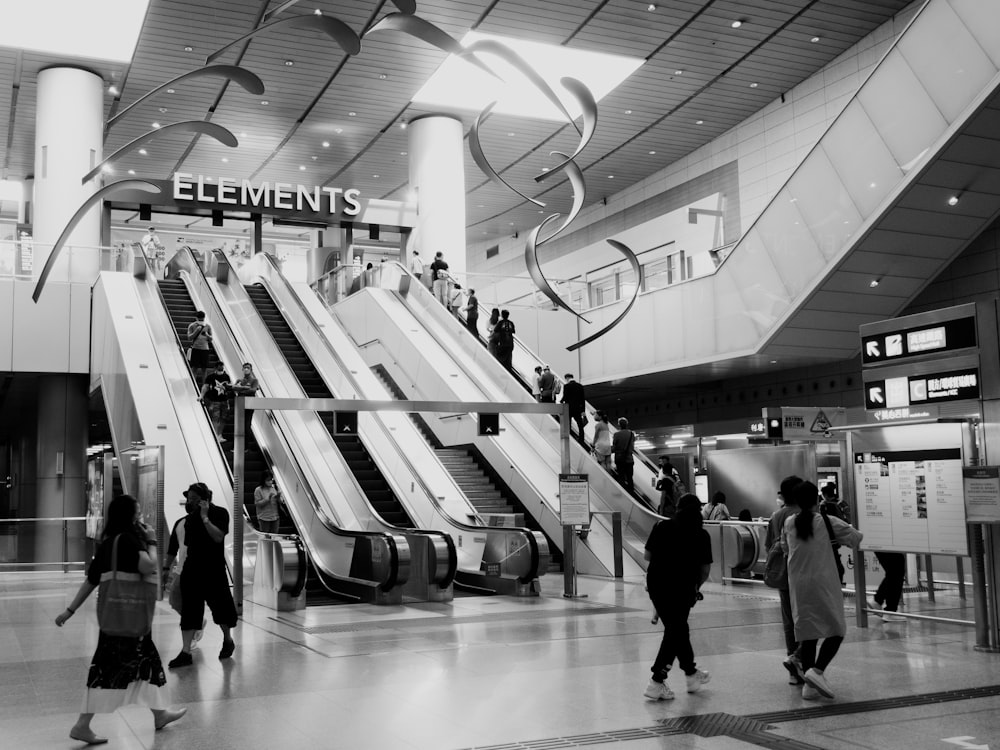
776, 567
125, 602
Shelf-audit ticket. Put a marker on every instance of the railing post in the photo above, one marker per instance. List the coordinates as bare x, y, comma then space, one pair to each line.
929, 565
960, 572
616, 533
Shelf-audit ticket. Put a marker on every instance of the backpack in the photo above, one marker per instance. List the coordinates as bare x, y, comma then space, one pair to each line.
776, 567
505, 334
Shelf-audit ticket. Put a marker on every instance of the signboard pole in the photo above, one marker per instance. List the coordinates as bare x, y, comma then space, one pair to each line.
569, 538
983, 605
237, 509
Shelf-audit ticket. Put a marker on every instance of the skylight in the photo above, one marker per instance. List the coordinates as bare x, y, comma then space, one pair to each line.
458, 84
92, 29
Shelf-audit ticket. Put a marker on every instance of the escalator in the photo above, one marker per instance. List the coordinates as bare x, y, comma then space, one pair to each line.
369, 478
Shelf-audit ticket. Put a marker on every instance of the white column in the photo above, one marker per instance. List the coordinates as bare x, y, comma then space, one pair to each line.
69, 125
437, 174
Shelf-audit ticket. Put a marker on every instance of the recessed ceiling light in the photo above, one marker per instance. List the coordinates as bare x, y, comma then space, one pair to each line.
814, 39
402, 126
678, 72
736, 24
113, 90
208, 179
754, 85
545, 169
652, 153
352, 114
774, 361
314, 158
382, 76
402, 153
302, 167
873, 283
289, 63
871, 185
131, 171
171, 91
650, 7
143, 151
189, 49
225, 160
481, 206
107, 168
628, 111
511, 223
338, 131
326, 144
317, 12
163, 110
265, 102
243, 135
511, 134
611, 177
953, 200
699, 122
375, 176
156, 124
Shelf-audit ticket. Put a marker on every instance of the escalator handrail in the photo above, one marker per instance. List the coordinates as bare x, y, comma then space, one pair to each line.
328, 523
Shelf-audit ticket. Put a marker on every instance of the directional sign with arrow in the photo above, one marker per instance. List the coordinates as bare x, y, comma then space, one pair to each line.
967, 742
489, 425
872, 349
875, 395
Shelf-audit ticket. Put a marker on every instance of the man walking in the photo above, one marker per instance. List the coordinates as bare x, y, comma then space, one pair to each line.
547, 386
204, 579
471, 311
199, 339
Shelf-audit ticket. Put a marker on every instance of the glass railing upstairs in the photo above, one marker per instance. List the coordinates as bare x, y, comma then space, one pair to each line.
412, 468
370, 565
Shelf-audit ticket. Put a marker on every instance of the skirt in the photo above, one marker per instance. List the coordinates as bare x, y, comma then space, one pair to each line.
125, 671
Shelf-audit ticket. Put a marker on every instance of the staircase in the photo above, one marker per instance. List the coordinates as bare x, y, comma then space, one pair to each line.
371, 480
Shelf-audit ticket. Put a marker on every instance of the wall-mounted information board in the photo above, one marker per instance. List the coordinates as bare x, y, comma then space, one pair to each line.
911, 498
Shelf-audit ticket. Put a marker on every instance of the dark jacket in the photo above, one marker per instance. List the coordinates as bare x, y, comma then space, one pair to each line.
573, 395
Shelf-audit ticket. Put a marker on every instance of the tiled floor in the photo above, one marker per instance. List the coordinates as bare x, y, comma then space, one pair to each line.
516, 673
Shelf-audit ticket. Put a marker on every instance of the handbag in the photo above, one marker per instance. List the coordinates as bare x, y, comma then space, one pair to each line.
125, 601
776, 567
172, 590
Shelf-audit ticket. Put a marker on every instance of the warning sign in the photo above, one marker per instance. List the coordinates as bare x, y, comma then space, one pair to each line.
821, 424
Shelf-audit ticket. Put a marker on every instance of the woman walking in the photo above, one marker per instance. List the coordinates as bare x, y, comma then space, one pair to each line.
679, 551
124, 669
814, 586
602, 440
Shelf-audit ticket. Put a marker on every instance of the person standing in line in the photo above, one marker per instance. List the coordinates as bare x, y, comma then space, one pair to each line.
440, 278
204, 578
265, 500
199, 340
890, 590
775, 527
574, 395
716, 510
536, 388
491, 325
416, 265
623, 445
124, 669
602, 440
817, 599
547, 386
215, 395
679, 552
505, 331
471, 311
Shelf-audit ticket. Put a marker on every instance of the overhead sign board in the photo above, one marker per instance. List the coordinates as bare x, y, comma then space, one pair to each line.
802, 423
920, 390
923, 335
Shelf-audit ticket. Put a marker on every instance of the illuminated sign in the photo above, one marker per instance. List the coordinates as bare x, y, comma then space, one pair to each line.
281, 195
922, 340
932, 388
757, 428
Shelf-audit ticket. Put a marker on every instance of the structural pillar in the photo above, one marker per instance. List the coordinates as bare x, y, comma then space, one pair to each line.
437, 176
69, 125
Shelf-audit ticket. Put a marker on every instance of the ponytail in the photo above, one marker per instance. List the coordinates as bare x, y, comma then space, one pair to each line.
804, 495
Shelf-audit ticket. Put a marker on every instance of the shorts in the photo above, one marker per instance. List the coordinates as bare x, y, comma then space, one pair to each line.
199, 359
199, 588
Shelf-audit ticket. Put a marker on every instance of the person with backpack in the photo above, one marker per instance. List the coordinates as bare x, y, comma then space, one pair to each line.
772, 544
679, 552
716, 510
547, 386
504, 332
622, 446
817, 598
440, 278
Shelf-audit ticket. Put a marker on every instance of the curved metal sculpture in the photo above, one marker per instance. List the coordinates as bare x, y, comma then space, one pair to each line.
248, 80
428, 33
535, 270
337, 30
219, 133
637, 270
114, 187
406, 6
575, 174
588, 105
476, 149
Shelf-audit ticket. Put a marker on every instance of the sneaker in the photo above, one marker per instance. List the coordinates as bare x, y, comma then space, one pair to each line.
658, 691
183, 659
815, 678
696, 680
809, 693
890, 616
228, 647
794, 667
876, 609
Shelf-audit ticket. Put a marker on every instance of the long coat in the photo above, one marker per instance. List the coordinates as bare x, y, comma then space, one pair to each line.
813, 579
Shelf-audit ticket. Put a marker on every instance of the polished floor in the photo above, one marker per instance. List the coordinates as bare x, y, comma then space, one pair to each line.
517, 674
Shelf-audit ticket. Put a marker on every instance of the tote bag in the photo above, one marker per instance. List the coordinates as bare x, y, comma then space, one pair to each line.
125, 602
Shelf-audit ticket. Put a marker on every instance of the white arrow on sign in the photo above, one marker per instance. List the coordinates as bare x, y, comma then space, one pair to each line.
871, 349
875, 395
966, 742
